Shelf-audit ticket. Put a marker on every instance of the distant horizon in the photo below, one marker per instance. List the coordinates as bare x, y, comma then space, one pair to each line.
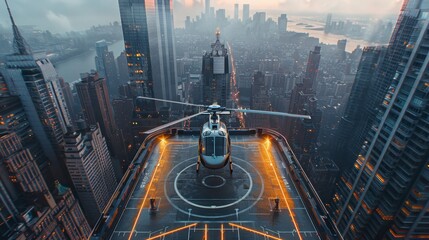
60, 16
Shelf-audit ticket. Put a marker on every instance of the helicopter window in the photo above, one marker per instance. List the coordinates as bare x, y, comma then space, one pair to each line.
220, 146
209, 146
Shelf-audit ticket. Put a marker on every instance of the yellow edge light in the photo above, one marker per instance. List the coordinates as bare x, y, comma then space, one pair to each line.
172, 231
254, 231
292, 216
146, 195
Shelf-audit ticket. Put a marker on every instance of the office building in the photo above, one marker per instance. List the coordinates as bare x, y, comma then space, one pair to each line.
123, 74
90, 166
304, 132
94, 98
385, 194
282, 23
34, 79
27, 209
207, 7
14, 119
221, 17
246, 12
348, 140
310, 78
236, 9
328, 23
106, 66
216, 86
259, 100
150, 49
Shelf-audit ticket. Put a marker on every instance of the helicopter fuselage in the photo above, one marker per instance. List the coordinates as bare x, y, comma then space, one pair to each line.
214, 148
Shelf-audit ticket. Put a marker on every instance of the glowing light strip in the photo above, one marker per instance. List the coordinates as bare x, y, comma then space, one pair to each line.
172, 231
221, 233
283, 193
254, 231
146, 195
205, 232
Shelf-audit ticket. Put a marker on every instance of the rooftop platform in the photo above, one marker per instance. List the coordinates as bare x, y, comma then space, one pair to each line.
167, 199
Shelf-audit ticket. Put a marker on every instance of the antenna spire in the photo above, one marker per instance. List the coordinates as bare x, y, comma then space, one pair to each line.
217, 33
19, 44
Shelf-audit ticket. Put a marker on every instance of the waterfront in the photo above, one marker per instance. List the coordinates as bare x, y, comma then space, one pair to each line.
298, 24
71, 68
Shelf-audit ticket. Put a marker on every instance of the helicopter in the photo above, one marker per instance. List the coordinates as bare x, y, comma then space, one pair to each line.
214, 144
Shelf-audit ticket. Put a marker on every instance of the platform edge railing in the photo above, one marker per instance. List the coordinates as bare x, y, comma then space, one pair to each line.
127, 183
326, 224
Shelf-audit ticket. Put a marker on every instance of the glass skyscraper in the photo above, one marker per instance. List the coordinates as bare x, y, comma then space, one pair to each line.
150, 49
385, 195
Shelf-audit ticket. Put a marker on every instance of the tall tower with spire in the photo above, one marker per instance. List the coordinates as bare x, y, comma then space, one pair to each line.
33, 78
216, 84
19, 44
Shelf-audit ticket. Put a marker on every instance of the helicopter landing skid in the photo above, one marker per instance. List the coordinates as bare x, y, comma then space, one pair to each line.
198, 165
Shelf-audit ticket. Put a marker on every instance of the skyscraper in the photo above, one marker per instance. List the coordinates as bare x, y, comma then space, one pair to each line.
150, 47
220, 17
246, 12
349, 140
236, 9
216, 85
27, 208
123, 73
385, 194
94, 98
207, 8
328, 23
33, 78
282, 23
91, 170
106, 66
14, 119
312, 70
304, 132
259, 100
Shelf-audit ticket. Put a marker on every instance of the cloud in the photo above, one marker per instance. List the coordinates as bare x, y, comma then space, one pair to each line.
59, 21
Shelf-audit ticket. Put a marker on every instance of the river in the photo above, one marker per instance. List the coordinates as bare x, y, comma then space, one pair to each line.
325, 37
71, 68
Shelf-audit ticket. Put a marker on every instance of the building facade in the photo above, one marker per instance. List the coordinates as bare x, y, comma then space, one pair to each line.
351, 130
33, 78
150, 48
216, 84
106, 66
90, 166
28, 209
94, 98
385, 194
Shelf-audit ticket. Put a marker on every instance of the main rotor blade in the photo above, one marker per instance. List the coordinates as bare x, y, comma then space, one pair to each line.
271, 113
169, 101
173, 123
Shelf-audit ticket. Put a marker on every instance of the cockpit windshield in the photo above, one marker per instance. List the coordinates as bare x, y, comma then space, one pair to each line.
220, 146
209, 146
214, 146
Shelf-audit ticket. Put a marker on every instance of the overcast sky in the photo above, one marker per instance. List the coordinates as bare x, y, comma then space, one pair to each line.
67, 15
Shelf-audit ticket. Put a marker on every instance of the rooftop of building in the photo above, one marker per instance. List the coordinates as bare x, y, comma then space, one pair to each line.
161, 193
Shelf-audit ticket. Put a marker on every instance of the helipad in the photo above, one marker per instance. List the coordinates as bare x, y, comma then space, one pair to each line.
170, 200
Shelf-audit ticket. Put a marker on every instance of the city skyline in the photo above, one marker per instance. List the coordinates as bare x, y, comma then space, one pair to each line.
327, 133
61, 16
